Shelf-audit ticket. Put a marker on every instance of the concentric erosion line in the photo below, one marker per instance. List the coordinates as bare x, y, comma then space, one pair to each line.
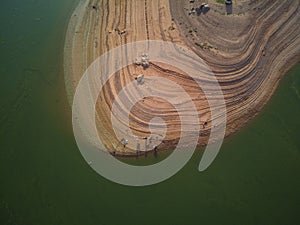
99, 72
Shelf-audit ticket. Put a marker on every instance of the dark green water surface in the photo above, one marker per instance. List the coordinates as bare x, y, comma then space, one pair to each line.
44, 179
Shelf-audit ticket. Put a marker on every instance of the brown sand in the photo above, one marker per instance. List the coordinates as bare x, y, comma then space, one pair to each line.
248, 51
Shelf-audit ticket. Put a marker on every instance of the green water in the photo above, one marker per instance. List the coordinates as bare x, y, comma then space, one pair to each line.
44, 179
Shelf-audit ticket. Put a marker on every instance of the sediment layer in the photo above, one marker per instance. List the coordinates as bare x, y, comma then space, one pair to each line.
249, 51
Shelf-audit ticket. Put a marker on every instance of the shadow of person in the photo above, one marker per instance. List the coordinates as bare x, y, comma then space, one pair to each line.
205, 10
198, 11
229, 9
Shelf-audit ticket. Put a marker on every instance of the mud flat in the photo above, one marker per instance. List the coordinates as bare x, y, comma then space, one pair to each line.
248, 50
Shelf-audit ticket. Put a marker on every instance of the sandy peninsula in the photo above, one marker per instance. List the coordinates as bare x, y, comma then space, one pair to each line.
249, 46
